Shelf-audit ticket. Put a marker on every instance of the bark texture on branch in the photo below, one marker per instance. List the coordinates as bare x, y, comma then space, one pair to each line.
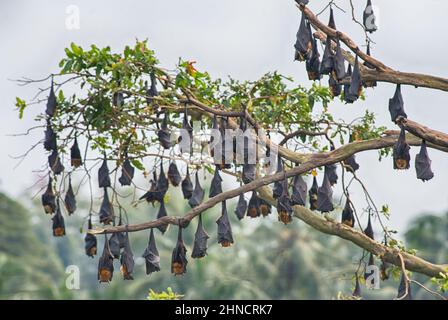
428, 134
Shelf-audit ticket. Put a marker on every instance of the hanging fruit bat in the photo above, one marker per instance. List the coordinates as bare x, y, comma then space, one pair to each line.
103, 175
51, 102
152, 92
164, 133
265, 208
248, 174
75, 155
367, 64
106, 210
162, 185
334, 85
284, 208
105, 264
302, 2
423, 164
118, 99
370, 83
215, 186
49, 198
253, 209
303, 43
396, 105
90, 242
346, 88
370, 263
55, 163
162, 213
351, 163
198, 194
243, 128
267, 161
186, 126
187, 186
331, 170
357, 291
211, 143
355, 90
339, 62
151, 255
327, 65
347, 215
313, 63
371, 260
278, 185
150, 195
369, 18
70, 200
224, 162
325, 194
121, 235
384, 272
331, 22
174, 175
401, 154
114, 246
299, 189
404, 294
179, 257
313, 194
58, 223
127, 261
200, 241
50, 141
225, 237
368, 231
240, 135
250, 152
127, 173
241, 207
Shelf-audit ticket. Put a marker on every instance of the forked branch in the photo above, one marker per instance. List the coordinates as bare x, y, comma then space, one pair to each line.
382, 72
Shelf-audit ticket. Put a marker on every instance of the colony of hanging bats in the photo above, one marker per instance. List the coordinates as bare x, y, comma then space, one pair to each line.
346, 81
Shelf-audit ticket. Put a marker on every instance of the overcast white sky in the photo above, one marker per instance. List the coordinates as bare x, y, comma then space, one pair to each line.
244, 39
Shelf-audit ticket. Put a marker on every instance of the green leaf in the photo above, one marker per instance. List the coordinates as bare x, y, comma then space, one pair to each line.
21, 105
136, 163
77, 51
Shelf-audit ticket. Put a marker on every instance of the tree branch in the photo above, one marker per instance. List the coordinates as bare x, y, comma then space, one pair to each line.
318, 25
330, 227
313, 161
383, 72
343, 231
430, 135
284, 152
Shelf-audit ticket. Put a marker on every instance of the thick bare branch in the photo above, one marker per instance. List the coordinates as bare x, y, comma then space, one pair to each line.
343, 231
430, 135
413, 140
412, 79
382, 73
318, 25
